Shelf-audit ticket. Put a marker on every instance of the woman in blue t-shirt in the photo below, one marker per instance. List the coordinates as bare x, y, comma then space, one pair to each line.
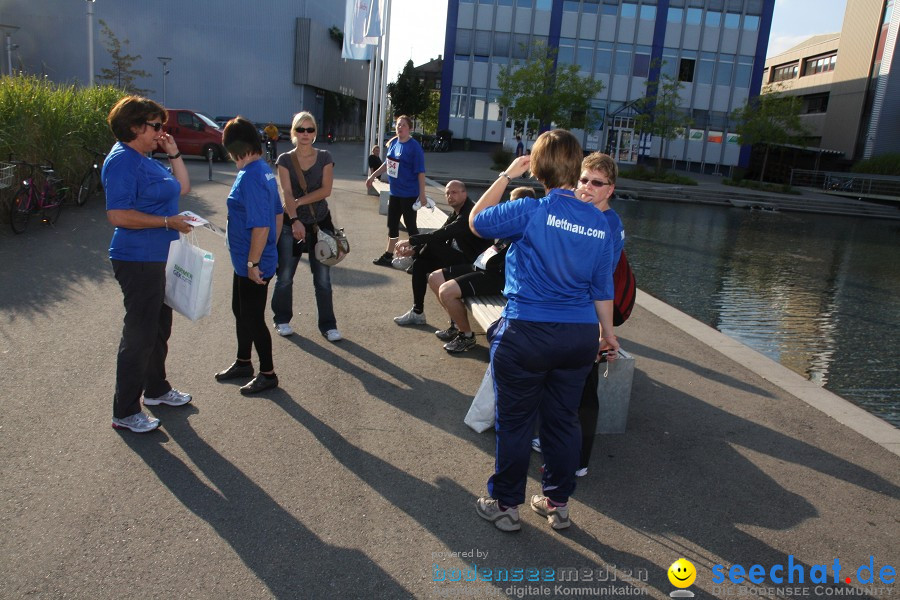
254, 220
558, 288
142, 203
405, 166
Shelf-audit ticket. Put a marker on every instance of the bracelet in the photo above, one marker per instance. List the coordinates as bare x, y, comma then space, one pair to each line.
174, 156
503, 174
166, 222
293, 220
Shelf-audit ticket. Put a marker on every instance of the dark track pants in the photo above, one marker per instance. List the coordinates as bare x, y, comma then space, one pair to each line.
539, 369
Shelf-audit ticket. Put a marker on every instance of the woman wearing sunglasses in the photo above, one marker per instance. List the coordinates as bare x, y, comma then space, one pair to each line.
558, 288
305, 204
142, 203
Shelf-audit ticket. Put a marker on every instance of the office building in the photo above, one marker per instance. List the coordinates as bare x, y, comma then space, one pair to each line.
716, 48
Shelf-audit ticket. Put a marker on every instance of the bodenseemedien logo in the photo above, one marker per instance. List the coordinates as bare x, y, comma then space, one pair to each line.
682, 574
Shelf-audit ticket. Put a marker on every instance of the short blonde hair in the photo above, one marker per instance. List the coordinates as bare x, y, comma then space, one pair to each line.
602, 163
299, 118
556, 159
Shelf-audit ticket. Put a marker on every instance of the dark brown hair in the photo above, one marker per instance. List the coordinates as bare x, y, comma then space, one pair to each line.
241, 138
405, 118
522, 192
131, 112
556, 159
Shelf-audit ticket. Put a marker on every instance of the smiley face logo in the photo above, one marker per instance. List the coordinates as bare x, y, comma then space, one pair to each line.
682, 573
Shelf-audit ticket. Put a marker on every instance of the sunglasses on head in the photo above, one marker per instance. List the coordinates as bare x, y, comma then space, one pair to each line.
155, 126
305, 129
594, 182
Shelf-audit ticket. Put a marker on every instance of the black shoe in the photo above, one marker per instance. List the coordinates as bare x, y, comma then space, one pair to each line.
260, 383
409, 269
384, 260
446, 335
240, 368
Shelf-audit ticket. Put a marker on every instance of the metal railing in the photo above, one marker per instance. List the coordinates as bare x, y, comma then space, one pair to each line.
842, 183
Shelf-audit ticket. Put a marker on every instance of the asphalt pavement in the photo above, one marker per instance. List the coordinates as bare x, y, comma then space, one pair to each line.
357, 477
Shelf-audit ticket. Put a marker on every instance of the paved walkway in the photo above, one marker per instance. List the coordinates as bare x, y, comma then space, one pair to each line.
357, 478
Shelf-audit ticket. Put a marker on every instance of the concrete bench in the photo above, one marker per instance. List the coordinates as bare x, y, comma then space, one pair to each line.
426, 219
614, 390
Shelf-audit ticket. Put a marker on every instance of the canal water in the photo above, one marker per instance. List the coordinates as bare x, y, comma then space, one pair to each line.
819, 294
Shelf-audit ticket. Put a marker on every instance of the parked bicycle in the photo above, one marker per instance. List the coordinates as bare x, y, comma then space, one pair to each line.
90, 183
45, 196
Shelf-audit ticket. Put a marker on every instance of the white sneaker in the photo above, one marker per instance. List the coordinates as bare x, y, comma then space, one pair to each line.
402, 263
284, 329
138, 423
536, 445
429, 203
333, 335
581, 472
410, 318
173, 398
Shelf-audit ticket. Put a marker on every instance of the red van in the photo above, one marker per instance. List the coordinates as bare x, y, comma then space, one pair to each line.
195, 133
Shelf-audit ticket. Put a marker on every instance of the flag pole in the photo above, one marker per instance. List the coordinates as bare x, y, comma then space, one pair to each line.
384, 71
370, 95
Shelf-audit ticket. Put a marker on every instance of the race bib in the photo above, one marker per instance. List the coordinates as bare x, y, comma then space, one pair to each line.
393, 167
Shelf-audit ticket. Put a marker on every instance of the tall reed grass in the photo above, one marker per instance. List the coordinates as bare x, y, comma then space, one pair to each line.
42, 121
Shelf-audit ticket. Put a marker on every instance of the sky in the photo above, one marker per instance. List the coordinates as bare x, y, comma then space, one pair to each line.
418, 27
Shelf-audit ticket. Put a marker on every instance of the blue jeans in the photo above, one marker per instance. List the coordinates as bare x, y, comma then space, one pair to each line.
282, 296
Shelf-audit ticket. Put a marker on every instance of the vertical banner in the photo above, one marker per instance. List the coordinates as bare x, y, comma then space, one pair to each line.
355, 46
373, 24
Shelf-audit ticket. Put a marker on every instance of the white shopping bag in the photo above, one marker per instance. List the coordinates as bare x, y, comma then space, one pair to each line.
189, 273
481, 414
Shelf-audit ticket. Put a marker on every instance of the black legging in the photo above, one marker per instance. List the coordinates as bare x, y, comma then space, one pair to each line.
397, 207
248, 303
431, 258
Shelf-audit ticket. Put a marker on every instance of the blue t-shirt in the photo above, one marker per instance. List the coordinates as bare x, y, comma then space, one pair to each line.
134, 182
618, 235
560, 261
405, 161
253, 202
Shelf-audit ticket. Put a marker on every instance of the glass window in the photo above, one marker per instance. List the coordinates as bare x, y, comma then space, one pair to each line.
629, 10
520, 45
723, 72
571, 6
686, 69
590, 7
742, 76
501, 44
464, 41
784, 72
648, 13
732, 20
751, 22
504, 3
482, 43
641, 67
603, 58
467, 1
675, 15
566, 55
623, 60
608, 9
704, 73
458, 101
544, 4
694, 16
713, 18
525, 3
477, 103
493, 107
585, 56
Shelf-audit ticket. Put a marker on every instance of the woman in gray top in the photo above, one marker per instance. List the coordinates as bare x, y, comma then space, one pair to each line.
304, 205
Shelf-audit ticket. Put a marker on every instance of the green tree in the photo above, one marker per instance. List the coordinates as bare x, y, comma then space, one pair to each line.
409, 96
430, 114
771, 119
660, 113
536, 89
122, 74
338, 108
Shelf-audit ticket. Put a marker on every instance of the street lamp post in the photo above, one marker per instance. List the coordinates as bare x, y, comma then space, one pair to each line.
165, 61
90, 27
9, 29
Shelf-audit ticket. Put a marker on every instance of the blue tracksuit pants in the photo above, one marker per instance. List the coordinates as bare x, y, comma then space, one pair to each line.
539, 369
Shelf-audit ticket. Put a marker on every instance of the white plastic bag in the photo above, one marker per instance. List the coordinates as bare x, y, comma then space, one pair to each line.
482, 412
189, 273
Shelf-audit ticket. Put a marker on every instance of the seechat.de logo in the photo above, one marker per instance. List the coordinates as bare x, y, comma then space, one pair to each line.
794, 572
682, 574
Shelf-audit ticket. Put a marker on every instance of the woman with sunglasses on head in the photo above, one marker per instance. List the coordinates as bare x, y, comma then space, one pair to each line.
304, 198
405, 166
142, 204
558, 288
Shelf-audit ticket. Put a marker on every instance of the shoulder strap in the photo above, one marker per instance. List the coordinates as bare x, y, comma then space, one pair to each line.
295, 160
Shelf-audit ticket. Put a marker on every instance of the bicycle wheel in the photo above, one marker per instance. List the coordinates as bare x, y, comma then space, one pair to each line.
89, 185
20, 210
52, 206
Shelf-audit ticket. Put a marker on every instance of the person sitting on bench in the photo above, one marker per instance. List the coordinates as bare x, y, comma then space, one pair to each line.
484, 277
452, 244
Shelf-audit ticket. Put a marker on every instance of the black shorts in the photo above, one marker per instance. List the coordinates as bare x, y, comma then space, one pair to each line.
475, 282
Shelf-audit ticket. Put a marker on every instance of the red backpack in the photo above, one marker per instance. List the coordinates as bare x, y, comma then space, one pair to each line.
625, 289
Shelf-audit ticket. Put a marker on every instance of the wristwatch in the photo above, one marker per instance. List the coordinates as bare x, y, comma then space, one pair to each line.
293, 220
250, 265
503, 174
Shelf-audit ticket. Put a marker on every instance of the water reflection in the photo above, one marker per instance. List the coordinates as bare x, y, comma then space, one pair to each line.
819, 294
